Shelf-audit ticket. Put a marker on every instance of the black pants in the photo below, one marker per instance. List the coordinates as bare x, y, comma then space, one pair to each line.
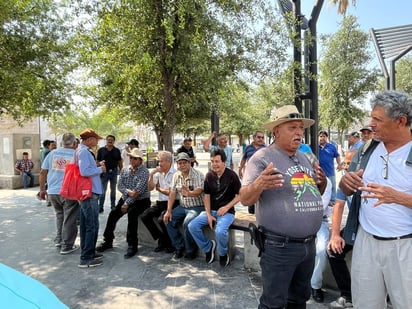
153, 213
133, 212
340, 270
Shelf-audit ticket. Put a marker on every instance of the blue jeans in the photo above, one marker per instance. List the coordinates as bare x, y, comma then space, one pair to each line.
182, 215
89, 227
321, 260
286, 271
106, 177
221, 231
25, 175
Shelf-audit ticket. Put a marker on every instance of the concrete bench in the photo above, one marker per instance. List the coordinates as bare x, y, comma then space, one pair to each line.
241, 223
251, 259
15, 181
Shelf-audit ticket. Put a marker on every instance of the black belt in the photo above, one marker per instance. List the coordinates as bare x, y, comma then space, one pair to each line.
392, 238
289, 239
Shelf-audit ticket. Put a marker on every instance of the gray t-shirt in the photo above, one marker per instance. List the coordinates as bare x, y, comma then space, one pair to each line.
294, 210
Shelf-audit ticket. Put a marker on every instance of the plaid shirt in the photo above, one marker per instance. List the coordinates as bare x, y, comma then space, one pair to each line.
137, 180
24, 165
194, 180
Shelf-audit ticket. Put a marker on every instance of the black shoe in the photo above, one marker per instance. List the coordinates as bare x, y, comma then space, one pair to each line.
98, 257
101, 210
210, 255
317, 295
170, 250
190, 255
105, 245
131, 251
178, 254
159, 249
224, 260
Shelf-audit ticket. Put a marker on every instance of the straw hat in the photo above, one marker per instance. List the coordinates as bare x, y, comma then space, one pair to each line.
284, 114
136, 153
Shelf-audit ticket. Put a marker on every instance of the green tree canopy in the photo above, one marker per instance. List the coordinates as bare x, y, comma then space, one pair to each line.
345, 78
404, 74
162, 63
34, 59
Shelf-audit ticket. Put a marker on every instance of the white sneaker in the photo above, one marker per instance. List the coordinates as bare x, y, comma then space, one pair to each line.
340, 303
67, 251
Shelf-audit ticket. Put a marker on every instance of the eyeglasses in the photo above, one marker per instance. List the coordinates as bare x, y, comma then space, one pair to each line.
261, 137
291, 116
385, 171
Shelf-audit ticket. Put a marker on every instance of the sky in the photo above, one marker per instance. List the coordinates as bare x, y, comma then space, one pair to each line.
376, 14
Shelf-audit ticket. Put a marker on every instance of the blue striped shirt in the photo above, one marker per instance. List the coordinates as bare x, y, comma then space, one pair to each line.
88, 168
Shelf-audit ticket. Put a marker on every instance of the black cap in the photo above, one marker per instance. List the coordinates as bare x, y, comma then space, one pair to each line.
323, 132
133, 141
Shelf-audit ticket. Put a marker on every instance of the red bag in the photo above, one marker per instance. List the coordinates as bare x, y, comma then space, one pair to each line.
75, 186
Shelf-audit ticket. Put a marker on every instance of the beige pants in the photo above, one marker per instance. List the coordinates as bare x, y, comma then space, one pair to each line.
381, 267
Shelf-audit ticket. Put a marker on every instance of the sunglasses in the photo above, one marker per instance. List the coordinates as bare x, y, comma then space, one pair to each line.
293, 116
290, 116
385, 171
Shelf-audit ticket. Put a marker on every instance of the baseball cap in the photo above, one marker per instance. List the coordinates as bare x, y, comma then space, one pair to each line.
133, 141
355, 134
182, 156
85, 134
366, 128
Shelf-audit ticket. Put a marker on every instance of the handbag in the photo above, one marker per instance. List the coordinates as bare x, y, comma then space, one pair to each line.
75, 186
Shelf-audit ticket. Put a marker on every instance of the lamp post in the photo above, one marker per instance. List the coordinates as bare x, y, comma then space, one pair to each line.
296, 26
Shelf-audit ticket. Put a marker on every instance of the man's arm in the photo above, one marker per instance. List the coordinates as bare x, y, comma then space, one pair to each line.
42, 183
206, 145
210, 218
168, 214
18, 168
386, 195
337, 243
120, 162
152, 184
339, 163
241, 167
195, 192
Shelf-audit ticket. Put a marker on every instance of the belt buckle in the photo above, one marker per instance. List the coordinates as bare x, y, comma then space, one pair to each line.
307, 239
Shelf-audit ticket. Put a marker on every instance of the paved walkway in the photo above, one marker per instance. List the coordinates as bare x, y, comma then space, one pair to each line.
149, 280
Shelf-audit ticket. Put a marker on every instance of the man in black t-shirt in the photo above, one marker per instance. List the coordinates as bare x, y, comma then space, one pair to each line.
221, 190
187, 148
112, 159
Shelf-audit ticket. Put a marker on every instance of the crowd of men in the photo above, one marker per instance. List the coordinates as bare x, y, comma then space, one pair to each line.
293, 193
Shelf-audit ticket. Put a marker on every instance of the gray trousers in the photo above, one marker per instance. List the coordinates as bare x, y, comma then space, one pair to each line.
67, 212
